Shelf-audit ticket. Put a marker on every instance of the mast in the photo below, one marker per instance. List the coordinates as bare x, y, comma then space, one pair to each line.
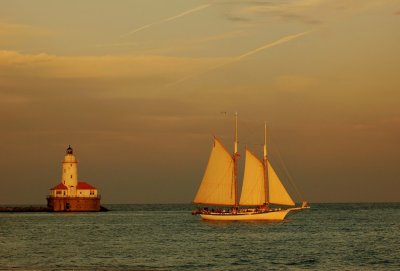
236, 134
235, 157
265, 164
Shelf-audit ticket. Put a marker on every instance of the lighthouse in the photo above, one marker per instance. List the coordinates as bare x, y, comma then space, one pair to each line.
70, 172
71, 194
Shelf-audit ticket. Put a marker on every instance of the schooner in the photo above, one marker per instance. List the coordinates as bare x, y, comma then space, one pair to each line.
261, 187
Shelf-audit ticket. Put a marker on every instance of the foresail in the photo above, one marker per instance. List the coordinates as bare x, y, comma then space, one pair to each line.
253, 189
277, 192
217, 186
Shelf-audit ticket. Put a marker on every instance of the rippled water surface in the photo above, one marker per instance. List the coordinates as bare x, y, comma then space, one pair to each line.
168, 237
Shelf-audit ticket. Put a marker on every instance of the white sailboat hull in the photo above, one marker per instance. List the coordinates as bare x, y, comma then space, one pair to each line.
266, 216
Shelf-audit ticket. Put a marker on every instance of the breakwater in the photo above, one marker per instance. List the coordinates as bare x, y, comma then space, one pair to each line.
15, 209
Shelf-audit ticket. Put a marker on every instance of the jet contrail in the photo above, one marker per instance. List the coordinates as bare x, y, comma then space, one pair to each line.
266, 46
272, 44
241, 57
187, 12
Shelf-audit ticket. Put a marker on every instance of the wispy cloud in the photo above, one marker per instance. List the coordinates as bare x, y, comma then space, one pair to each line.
185, 45
282, 6
185, 13
13, 28
222, 36
117, 44
299, 10
158, 68
304, 11
12, 33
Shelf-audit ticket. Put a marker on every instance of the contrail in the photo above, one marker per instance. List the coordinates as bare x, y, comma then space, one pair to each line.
187, 12
241, 57
267, 46
264, 47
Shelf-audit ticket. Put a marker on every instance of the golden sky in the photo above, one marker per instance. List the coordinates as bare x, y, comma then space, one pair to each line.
138, 87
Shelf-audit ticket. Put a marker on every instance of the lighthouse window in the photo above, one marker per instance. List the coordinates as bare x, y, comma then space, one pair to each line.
71, 176
91, 192
58, 192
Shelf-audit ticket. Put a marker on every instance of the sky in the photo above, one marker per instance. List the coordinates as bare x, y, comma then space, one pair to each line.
139, 88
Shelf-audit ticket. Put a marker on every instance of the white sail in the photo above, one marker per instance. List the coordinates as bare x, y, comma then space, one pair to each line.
277, 192
217, 186
253, 189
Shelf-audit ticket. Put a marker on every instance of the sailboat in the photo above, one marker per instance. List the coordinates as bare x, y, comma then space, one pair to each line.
261, 188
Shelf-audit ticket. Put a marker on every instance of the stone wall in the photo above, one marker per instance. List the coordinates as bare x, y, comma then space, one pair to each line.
73, 204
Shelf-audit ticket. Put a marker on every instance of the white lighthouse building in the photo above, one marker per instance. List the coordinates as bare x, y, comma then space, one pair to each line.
70, 172
71, 194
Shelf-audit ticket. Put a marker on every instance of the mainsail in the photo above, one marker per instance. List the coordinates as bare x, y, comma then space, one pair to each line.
277, 192
217, 186
253, 189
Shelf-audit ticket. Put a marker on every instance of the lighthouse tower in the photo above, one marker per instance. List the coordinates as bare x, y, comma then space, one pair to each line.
71, 194
70, 172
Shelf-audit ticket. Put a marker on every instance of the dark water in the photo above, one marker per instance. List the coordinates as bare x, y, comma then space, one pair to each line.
168, 237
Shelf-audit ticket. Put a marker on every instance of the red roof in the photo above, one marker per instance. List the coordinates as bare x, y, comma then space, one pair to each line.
59, 186
83, 185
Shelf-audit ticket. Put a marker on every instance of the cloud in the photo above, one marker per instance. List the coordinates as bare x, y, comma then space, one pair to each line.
9, 58
304, 11
12, 28
236, 18
221, 36
185, 45
126, 66
116, 44
11, 33
282, 7
288, 10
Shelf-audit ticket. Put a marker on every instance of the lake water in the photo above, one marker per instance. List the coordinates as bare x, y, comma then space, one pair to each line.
168, 237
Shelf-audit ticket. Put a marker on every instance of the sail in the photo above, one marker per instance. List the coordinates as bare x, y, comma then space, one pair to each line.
253, 189
217, 186
277, 192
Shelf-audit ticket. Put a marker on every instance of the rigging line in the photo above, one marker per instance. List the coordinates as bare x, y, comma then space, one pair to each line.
247, 143
250, 133
297, 191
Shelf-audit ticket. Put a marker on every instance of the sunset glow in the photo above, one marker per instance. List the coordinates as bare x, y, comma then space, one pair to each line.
138, 87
